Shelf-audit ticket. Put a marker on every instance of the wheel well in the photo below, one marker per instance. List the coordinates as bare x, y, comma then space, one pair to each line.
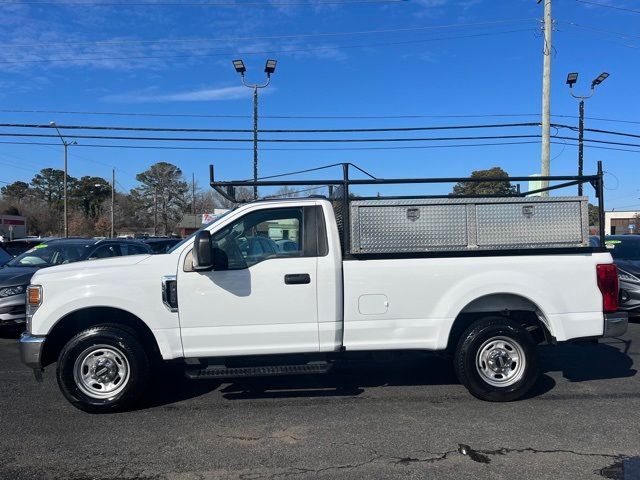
79, 320
514, 307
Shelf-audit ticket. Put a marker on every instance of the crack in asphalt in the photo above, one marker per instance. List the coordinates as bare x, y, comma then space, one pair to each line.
613, 471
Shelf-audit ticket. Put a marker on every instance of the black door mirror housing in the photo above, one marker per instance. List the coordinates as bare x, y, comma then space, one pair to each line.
202, 251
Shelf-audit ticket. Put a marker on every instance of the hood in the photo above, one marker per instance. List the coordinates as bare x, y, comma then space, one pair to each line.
630, 266
91, 266
10, 276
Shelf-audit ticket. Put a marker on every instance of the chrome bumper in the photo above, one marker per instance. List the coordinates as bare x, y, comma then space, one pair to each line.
31, 350
615, 324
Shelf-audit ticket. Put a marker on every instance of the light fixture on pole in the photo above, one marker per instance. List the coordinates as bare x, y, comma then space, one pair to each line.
572, 79
66, 145
269, 69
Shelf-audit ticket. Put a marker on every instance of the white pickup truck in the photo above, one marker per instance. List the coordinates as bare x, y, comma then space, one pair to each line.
265, 290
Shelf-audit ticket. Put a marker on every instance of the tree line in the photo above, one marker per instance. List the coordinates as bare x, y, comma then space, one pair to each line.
161, 198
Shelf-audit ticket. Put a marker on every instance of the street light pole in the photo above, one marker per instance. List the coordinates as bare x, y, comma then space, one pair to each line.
64, 178
572, 78
269, 68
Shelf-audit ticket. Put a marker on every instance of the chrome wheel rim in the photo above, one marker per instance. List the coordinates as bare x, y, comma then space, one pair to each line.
501, 361
101, 371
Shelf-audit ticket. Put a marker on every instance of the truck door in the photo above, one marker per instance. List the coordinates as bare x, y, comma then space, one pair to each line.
259, 298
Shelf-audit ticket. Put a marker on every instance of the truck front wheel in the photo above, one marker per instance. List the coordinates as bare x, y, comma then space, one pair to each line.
496, 360
103, 369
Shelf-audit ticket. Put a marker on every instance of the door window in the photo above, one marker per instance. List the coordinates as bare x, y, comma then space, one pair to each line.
253, 238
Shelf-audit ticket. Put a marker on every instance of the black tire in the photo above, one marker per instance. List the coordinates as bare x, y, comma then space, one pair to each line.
129, 359
474, 339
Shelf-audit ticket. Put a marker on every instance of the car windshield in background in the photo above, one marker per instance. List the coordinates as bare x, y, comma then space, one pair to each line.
47, 255
186, 239
624, 248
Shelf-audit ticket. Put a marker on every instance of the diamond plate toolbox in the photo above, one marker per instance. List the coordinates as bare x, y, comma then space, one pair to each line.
450, 224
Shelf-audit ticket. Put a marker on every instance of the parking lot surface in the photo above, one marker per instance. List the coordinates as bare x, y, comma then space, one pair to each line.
406, 418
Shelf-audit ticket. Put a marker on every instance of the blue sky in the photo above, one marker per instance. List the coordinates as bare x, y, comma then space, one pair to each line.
424, 58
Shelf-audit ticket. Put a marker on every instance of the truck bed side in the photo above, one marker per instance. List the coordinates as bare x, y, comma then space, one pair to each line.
413, 302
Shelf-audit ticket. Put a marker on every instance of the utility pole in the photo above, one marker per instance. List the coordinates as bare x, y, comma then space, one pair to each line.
269, 68
572, 78
546, 96
64, 178
113, 200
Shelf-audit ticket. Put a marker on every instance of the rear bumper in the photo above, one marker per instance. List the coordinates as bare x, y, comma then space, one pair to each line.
615, 324
31, 350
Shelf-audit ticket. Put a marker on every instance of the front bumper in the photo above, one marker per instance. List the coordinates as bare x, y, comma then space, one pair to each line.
615, 324
31, 347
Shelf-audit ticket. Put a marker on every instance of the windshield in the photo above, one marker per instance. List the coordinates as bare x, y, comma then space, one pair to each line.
186, 239
623, 248
47, 255
4, 257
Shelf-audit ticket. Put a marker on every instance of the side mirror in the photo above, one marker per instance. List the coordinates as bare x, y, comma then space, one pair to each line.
202, 251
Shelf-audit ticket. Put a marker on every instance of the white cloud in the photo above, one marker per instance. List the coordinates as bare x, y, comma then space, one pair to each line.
201, 95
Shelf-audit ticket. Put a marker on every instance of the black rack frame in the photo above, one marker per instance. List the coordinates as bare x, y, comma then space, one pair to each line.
227, 189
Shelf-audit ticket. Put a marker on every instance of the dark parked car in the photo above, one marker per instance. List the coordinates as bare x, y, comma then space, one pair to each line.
625, 250
4, 256
160, 245
16, 274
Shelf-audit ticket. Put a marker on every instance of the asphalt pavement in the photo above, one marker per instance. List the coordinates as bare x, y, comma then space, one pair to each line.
387, 418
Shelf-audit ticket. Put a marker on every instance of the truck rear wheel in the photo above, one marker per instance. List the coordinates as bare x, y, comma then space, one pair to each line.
103, 369
496, 360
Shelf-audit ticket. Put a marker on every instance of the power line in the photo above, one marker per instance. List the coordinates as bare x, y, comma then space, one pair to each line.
601, 30
313, 130
199, 41
166, 147
610, 132
305, 117
77, 59
604, 5
268, 140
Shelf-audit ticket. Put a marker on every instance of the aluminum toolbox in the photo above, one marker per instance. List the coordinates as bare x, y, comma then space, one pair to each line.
444, 224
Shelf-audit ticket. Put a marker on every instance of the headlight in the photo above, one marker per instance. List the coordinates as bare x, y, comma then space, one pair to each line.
627, 277
34, 300
10, 291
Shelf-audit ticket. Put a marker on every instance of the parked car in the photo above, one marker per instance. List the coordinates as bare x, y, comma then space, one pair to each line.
16, 274
4, 256
625, 250
160, 244
287, 246
232, 304
21, 245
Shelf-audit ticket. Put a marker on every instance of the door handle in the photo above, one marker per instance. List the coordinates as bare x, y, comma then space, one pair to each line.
297, 278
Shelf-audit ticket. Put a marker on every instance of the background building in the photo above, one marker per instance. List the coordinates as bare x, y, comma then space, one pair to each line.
13, 226
621, 223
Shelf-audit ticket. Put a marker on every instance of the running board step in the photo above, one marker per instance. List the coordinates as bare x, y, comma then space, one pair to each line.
264, 371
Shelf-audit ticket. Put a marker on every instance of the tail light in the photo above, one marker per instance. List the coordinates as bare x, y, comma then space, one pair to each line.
608, 285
